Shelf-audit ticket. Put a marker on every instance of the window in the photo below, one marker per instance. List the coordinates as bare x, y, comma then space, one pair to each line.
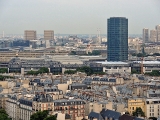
132, 108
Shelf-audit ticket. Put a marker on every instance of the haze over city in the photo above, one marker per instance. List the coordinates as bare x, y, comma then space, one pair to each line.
79, 60
76, 16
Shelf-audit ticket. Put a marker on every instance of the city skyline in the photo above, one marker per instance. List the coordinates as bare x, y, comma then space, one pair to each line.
75, 17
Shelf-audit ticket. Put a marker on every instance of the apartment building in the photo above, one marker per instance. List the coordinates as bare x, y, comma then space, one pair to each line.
30, 35
43, 101
107, 81
25, 108
73, 107
11, 107
158, 32
145, 35
152, 107
153, 35
48, 35
134, 103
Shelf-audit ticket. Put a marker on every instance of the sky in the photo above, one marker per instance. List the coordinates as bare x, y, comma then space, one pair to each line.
76, 16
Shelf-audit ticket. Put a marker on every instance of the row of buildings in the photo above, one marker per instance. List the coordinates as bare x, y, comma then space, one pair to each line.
152, 35
77, 96
58, 64
32, 35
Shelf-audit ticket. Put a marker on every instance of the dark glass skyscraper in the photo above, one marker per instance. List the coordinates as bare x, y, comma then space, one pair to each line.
117, 35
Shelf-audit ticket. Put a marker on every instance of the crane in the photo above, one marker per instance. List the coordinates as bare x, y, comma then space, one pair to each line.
142, 65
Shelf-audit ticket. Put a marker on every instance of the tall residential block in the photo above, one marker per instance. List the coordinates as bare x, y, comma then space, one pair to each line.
158, 32
145, 35
117, 35
48, 35
30, 35
153, 35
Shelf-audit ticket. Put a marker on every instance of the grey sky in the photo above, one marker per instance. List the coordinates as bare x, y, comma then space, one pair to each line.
76, 16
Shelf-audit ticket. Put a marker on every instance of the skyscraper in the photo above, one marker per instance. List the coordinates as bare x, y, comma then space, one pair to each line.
145, 35
158, 33
153, 35
30, 35
48, 35
117, 35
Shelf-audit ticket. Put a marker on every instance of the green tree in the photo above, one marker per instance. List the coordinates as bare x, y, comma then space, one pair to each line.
134, 71
138, 112
139, 55
152, 118
86, 69
40, 71
70, 72
3, 115
32, 72
40, 115
153, 73
3, 70
43, 70
100, 73
2, 78
52, 117
96, 52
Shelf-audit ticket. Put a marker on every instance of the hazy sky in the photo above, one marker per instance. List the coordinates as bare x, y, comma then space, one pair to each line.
76, 16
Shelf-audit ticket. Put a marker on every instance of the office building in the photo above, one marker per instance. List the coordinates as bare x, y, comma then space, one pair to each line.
30, 35
153, 35
117, 35
158, 32
145, 35
48, 35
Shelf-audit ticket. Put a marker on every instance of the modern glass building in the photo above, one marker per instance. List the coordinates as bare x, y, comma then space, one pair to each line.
117, 35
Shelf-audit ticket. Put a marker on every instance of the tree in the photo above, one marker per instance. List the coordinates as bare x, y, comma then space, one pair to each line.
70, 72
99, 73
40, 115
40, 71
52, 117
152, 118
127, 112
3, 70
3, 115
43, 70
138, 112
134, 71
153, 73
32, 73
86, 69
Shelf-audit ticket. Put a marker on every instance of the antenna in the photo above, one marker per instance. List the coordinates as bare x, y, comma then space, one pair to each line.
99, 35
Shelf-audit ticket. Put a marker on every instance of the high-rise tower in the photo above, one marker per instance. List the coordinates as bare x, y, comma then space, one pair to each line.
158, 33
153, 35
30, 35
117, 35
48, 35
145, 35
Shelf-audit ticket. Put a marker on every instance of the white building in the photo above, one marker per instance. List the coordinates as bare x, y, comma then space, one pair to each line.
116, 67
152, 107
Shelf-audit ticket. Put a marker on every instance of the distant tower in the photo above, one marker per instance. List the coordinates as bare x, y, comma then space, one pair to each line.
153, 35
145, 35
117, 36
158, 33
30, 35
98, 35
48, 35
